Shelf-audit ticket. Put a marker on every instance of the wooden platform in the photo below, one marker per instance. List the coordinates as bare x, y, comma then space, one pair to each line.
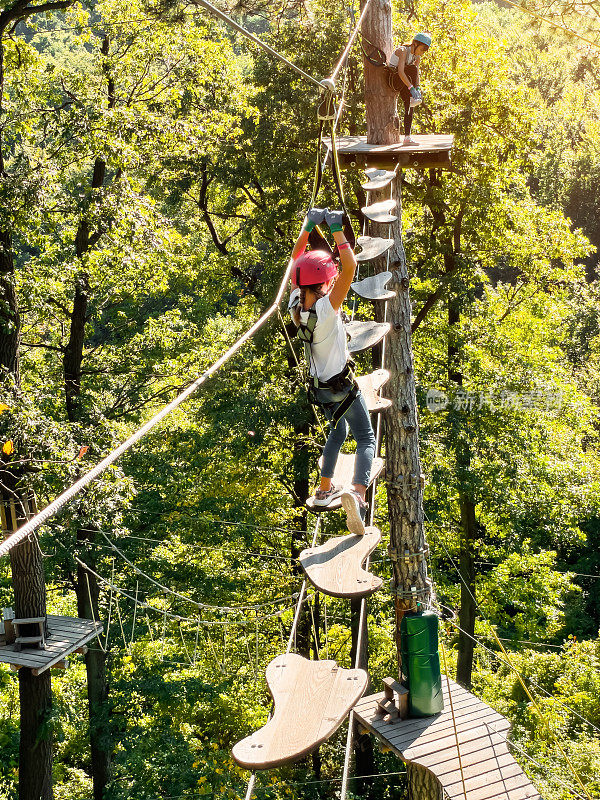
312, 699
434, 151
65, 635
490, 771
344, 472
364, 335
373, 287
370, 386
335, 568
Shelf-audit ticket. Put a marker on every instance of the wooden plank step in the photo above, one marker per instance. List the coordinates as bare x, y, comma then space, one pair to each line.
370, 386
489, 769
28, 620
311, 700
372, 247
378, 178
364, 335
380, 212
335, 568
342, 476
373, 287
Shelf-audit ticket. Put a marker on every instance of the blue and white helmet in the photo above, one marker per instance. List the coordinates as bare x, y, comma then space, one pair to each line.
423, 38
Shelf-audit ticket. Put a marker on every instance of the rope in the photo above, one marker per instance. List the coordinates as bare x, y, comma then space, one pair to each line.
173, 593
218, 13
460, 764
33, 524
348, 47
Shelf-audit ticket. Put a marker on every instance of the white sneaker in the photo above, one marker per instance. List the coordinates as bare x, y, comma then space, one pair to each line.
408, 140
355, 508
323, 498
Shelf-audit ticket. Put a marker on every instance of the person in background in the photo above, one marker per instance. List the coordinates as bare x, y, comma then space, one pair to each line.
318, 291
406, 60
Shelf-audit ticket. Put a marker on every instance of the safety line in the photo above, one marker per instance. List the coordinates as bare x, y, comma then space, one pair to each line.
348, 47
199, 605
221, 14
35, 522
489, 650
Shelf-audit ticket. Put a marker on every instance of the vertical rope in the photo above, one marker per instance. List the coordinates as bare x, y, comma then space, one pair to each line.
460, 764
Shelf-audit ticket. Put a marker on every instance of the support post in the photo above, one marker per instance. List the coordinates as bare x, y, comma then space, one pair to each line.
403, 465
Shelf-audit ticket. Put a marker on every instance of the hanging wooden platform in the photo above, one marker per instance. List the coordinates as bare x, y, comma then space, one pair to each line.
364, 335
490, 771
312, 699
66, 635
378, 179
380, 212
335, 568
370, 385
431, 152
372, 247
373, 287
344, 472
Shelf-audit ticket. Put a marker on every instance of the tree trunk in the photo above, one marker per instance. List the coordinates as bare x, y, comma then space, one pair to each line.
422, 784
35, 693
466, 645
403, 463
88, 593
364, 759
468, 522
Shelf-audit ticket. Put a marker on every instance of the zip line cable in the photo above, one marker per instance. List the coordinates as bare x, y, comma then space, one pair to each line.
221, 14
56, 505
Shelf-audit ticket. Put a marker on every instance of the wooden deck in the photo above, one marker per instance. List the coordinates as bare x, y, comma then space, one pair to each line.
432, 152
65, 635
490, 772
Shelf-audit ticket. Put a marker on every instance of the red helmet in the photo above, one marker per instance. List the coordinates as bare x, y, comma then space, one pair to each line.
316, 266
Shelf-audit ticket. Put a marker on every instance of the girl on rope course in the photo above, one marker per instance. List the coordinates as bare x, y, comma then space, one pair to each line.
318, 292
407, 59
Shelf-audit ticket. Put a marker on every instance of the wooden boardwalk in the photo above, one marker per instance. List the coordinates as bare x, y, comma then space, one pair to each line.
433, 151
490, 772
65, 635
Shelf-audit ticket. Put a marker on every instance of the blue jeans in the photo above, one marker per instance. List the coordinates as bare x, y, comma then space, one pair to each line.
358, 420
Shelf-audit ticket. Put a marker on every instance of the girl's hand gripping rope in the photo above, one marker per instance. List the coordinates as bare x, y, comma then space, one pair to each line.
335, 220
316, 216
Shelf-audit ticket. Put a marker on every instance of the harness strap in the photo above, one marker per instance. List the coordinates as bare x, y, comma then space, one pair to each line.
345, 404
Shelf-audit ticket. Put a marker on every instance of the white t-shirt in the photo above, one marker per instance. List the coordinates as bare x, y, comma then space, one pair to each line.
329, 347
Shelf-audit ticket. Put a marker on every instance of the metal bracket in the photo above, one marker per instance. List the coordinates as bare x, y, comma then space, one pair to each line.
414, 593
406, 556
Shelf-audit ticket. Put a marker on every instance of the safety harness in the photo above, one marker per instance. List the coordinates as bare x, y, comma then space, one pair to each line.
378, 58
344, 381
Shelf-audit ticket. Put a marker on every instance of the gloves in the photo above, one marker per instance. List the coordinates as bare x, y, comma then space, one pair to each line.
335, 220
414, 93
314, 217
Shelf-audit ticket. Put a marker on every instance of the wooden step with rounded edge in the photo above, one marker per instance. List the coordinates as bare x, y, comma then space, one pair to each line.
370, 385
311, 700
380, 212
373, 287
342, 476
364, 335
372, 247
378, 178
335, 568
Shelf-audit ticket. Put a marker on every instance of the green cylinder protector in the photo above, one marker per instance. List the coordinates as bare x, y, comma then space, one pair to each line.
421, 663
